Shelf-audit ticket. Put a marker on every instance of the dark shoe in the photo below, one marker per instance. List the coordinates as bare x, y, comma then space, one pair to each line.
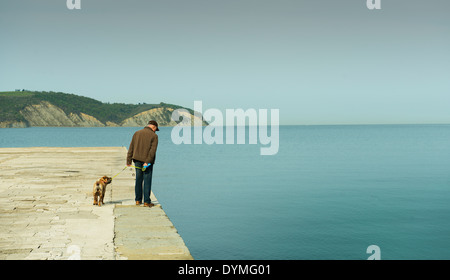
149, 204
138, 203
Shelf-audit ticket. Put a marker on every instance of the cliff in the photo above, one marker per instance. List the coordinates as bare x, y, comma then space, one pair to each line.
41, 109
46, 114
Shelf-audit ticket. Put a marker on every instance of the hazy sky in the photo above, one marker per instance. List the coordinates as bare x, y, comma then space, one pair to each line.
318, 61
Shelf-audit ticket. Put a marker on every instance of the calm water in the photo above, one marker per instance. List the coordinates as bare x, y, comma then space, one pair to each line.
329, 193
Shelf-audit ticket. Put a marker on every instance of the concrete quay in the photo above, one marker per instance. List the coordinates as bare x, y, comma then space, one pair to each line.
46, 210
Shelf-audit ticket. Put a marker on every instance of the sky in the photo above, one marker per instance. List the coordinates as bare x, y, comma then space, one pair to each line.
317, 61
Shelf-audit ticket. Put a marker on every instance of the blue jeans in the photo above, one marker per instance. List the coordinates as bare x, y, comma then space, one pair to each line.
146, 178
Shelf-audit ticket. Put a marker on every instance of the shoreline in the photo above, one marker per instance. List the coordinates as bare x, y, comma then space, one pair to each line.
281, 125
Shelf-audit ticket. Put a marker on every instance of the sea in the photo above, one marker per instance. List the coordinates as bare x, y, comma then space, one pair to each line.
329, 193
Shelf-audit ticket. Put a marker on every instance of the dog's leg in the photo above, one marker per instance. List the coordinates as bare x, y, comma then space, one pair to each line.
100, 195
94, 193
103, 193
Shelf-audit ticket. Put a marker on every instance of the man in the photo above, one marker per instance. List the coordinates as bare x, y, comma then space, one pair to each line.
142, 152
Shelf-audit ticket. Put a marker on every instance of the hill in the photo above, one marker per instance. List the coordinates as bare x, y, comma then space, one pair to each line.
34, 108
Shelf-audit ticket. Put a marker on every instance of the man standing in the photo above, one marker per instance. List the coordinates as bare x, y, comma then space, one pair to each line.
142, 152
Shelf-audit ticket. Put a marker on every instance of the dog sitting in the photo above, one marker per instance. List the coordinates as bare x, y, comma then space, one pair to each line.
100, 189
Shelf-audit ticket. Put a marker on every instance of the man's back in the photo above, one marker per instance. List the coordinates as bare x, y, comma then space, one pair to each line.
143, 146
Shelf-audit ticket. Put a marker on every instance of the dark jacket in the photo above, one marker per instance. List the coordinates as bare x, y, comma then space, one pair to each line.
143, 146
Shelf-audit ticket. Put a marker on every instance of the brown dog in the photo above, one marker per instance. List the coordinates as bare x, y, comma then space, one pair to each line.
100, 189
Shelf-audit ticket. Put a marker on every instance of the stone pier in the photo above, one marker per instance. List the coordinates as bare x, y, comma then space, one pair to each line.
46, 210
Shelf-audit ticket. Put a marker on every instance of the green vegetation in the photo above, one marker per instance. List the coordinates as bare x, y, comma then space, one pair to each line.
12, 102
